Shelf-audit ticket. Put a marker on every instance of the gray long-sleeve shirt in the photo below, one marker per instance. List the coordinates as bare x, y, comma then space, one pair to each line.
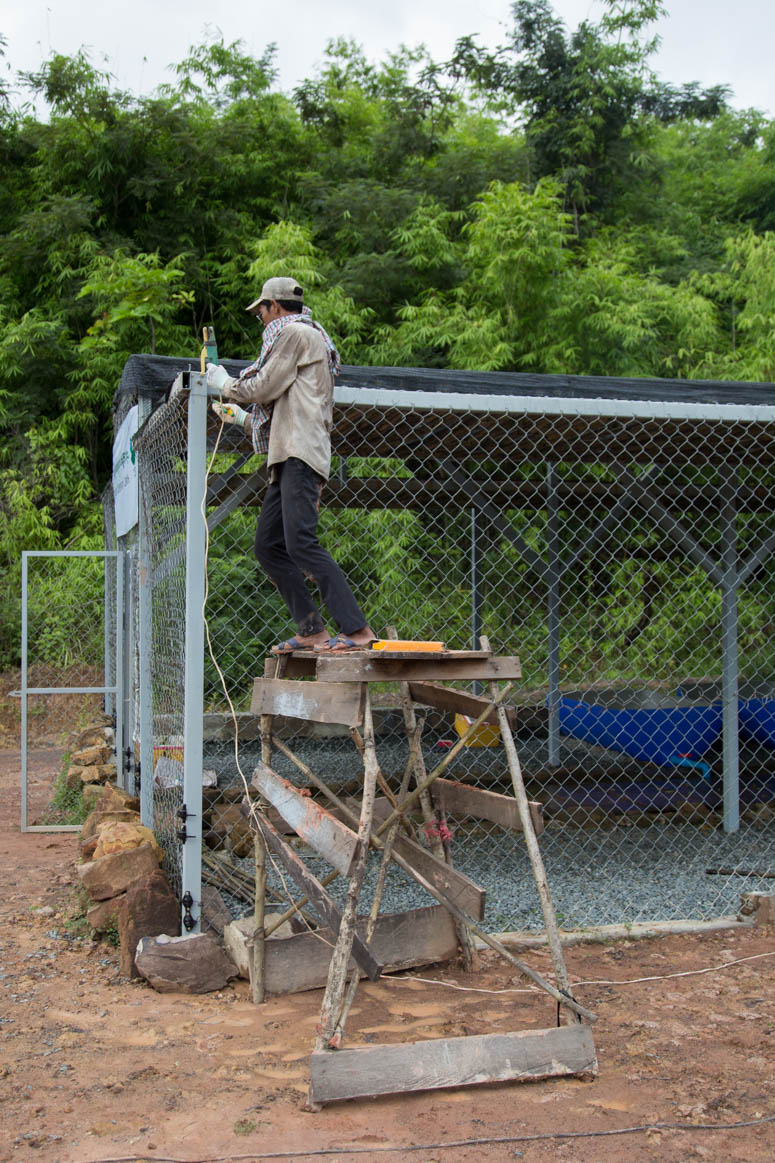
297, 379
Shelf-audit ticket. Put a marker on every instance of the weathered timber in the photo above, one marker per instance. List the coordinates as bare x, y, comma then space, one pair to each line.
534, 854
336, 985
399, 941
318, 896
333, 840
332, 703
377, 666
458, 799
376, 900
446, 698
447, 1062
458, 887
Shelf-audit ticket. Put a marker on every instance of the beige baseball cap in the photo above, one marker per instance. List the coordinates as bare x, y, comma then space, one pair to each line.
279, 289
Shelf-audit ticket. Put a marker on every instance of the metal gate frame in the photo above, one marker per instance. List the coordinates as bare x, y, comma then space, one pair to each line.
117, 690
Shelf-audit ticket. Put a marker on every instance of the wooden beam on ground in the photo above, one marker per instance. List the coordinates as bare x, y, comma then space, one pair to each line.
378, 666
447, 1062
399, 941
318, 896
332, 839
459, 799
445, 698
332, 703
458, 887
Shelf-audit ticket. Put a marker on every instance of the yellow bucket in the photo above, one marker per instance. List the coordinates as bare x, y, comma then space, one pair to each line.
485, 735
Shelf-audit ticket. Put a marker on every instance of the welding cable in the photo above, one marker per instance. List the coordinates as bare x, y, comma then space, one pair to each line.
601, 981
642, 1128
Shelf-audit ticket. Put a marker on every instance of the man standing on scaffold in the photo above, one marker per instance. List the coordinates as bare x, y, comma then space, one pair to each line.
291, 388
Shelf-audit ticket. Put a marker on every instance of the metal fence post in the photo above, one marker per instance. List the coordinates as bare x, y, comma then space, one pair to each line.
476, 588
23, 693
144, 672
729, 657
553, 574
119, 660
191, 872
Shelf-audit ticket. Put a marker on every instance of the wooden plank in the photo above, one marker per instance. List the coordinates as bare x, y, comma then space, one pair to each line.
467, 895
332, 703
446, 1062
363, 666
400, 941
331, 838
459, 799
318, 896
448, 698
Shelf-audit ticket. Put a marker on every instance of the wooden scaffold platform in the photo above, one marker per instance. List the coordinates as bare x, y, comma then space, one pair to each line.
335, 688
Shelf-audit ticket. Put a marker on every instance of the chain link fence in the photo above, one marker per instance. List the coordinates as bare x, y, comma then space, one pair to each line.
161, 632
623, 549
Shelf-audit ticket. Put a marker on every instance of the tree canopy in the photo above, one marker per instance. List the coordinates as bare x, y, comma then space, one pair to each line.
549, 207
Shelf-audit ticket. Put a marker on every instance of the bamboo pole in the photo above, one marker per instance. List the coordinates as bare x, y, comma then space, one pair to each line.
531, 843
336, 1038
337, 971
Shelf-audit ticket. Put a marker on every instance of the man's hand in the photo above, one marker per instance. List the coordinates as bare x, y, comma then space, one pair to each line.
229, 413
218, 378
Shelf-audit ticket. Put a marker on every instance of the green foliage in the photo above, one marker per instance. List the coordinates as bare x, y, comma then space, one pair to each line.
547, 207
67, 804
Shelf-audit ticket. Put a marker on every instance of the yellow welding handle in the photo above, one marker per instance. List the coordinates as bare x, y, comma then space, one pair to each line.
406, 645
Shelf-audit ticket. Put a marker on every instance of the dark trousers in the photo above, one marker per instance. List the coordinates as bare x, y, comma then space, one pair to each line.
287, 547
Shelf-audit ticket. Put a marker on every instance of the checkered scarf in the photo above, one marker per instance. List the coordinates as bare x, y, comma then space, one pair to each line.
261, 417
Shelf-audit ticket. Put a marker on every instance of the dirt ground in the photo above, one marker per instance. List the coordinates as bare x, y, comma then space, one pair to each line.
95, 1068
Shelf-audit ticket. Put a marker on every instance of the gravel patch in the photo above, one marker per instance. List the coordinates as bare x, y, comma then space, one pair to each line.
616, 872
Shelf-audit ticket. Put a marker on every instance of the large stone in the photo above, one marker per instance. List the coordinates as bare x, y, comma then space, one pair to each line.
91, 793
104, 915
91, 756
229, 828
191, 964
73, 778
111, 875
148, 909
97, 773
94, 737
121, 835
96, 819
111, 798
237, 937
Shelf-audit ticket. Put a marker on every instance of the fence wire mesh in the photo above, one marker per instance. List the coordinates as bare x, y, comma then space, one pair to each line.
161, 450
621, 556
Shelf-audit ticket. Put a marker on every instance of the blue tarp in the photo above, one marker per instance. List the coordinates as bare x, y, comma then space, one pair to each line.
654, 734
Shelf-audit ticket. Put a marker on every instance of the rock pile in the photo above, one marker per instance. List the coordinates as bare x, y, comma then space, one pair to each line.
129, 891
121, 874
91, 760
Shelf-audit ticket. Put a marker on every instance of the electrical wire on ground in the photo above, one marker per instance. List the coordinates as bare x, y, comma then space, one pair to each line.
501, 1140
598, 981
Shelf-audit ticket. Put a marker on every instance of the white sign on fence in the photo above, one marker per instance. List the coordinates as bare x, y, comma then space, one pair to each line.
125, 474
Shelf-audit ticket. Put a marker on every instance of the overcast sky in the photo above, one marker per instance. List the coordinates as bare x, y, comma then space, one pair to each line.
710, 41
